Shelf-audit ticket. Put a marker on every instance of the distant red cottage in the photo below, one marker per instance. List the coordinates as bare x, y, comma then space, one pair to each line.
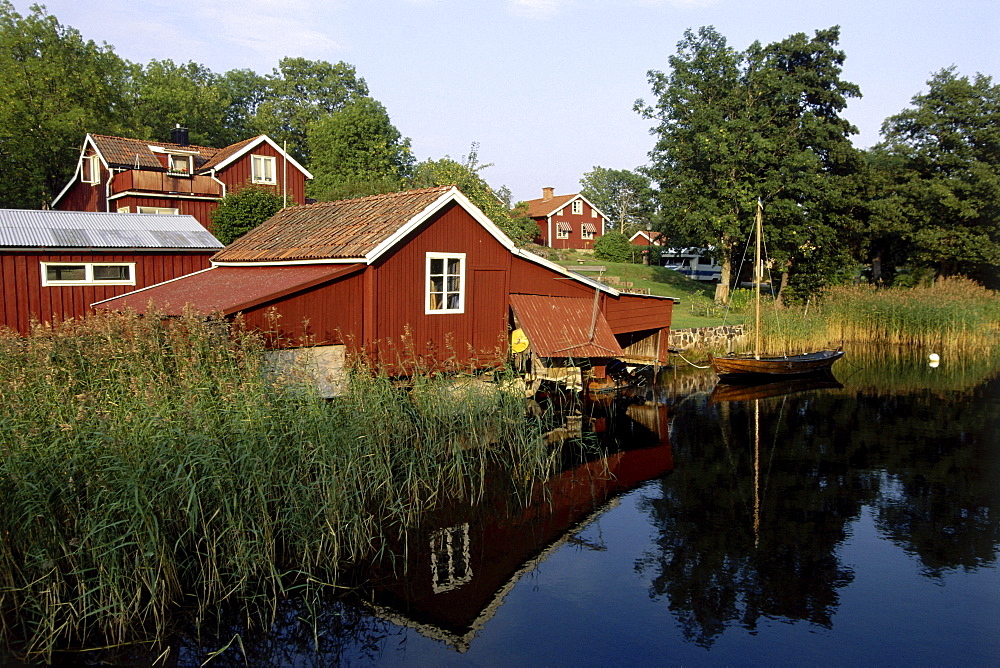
565, 221
422, 274
647, 238
54, 264
115, 174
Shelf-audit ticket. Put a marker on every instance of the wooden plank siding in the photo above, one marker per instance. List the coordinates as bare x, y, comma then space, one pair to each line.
24, 298
240, 173
629, 313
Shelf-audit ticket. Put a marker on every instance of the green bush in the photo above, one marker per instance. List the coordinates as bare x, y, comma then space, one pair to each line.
613, 246
242, 210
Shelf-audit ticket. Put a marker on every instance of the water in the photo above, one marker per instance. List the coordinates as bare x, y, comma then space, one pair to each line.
836, 525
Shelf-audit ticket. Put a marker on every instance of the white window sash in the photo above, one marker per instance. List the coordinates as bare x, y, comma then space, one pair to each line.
88, 273
448, 292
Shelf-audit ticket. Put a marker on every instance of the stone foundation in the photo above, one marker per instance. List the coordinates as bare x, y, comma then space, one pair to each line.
726, 337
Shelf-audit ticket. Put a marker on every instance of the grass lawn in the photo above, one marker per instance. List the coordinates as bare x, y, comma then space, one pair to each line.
697, 308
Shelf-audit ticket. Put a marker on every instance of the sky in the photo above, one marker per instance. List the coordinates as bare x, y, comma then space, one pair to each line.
546, 87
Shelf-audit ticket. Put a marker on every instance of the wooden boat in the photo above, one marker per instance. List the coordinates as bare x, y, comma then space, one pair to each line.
749, 391
757, 368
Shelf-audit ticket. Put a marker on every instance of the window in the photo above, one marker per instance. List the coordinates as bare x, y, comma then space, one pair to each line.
593, 213
451, 565
124, 209
563, 230
179, 165
445, 283
88, 273
263, 169
577, 208
91, 169
587, 231
156, 209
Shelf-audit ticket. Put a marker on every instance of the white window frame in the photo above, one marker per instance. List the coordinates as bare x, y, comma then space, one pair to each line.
585, 233
124, 209
577, 208
593, 213
428, 278
451, 558
258, 172
561, 233
157, 209
94, 167
88, 273
174, 171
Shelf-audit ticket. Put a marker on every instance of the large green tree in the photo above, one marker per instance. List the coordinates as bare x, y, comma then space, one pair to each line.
55, 86
242, 210
765, 123
301, 92
940, 167
357, 151
627, 198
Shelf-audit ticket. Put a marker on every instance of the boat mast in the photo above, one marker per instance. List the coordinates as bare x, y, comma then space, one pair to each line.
758, 275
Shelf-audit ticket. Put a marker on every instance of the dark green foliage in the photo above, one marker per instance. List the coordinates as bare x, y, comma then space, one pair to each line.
614, 246
734, 126
355, 150
242, 210
939, 172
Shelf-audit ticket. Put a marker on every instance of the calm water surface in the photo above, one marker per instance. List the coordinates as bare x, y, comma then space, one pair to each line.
834, 525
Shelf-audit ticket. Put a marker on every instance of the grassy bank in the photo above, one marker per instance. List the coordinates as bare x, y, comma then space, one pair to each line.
951, 316
149, 467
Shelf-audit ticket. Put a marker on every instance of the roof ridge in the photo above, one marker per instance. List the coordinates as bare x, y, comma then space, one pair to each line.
158, 142
418, 191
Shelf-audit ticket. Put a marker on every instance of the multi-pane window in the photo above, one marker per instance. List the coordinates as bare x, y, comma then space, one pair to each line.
587, 231
563, 230
179, 164
155, 209
88, 273
445, 283
577, 207
451, 565
263, 169
91, 169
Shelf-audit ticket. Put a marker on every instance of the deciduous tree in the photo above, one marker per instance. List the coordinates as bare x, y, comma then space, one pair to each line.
625, 197
242, 210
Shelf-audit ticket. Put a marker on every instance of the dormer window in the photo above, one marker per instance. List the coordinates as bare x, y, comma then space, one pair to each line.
263, 169
179, 165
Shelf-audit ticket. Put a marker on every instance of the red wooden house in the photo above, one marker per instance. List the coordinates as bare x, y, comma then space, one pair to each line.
115, 174
566, 221
54, 264
422, 274
647, 238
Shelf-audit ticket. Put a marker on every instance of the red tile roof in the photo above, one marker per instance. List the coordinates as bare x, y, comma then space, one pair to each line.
228, 290
540, 208
561, 326
345, 229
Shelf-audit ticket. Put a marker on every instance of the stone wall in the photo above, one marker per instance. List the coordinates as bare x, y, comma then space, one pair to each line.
726, 337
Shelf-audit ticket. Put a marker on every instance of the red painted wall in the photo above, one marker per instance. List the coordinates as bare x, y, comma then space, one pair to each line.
575, 221
240, 173
24, 297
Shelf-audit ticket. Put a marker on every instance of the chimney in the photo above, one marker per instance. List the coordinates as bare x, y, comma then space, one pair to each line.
179, 135
548, 193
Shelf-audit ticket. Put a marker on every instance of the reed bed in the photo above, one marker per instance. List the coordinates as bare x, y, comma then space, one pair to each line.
953, 316
150, 467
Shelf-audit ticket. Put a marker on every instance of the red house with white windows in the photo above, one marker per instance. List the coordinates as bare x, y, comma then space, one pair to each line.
421, 275
55, 264
566, 221
119, 175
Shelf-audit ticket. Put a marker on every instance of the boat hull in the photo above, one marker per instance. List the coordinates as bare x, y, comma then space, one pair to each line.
749, 368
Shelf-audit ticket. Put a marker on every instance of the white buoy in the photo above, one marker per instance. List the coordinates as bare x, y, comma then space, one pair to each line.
934, 359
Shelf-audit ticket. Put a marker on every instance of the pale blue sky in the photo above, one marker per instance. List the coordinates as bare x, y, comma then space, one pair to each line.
545, 86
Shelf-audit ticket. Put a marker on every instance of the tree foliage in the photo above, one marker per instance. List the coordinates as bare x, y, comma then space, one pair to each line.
939, 165
613, 246
734, 126
357, 151
55, 87
627, 198
242, 210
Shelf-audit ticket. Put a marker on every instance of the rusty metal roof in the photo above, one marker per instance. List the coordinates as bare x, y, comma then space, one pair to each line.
565, 326
24, 228
346, 229
228, 290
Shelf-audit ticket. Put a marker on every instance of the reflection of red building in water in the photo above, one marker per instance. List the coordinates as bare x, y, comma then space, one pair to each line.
460, 569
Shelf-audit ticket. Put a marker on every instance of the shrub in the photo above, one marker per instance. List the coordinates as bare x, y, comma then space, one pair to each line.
613, 246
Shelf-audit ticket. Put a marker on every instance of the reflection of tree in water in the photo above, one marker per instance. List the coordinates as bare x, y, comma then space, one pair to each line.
928, 464
941, 492
715, 569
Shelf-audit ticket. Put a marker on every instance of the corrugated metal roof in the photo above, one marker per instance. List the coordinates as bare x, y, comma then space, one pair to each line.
345, 229
228, 290
84, 229
561, 326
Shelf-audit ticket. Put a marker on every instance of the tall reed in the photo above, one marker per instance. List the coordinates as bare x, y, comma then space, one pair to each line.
953, 315
149, 466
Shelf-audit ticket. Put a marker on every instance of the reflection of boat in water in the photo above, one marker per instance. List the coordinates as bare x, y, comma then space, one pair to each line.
462, 562
747, 392
756, 367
